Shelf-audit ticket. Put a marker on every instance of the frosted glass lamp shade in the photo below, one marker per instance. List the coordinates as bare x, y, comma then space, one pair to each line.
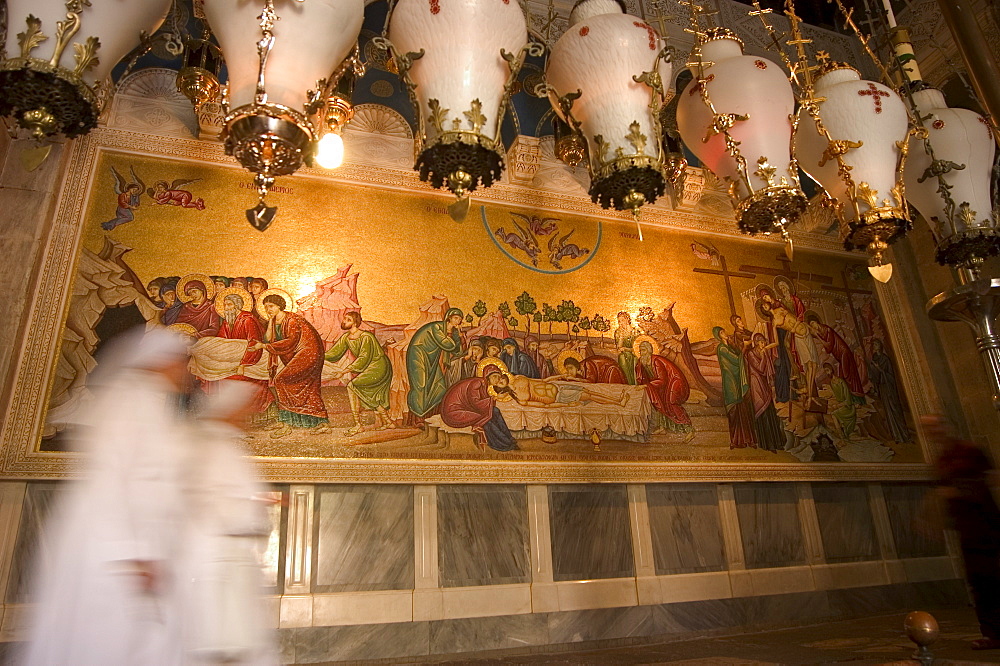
966, 230
602, 55
868, 123
48, 84
756, 95
459, 83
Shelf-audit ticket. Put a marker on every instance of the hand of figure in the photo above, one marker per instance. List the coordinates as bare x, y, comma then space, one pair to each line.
241, 369
148, 575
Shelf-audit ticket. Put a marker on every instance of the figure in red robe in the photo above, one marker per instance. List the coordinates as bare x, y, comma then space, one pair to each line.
666, 387
594, 369
238, 324
199, 311
760, 372
837, 347
468, 404
293, 340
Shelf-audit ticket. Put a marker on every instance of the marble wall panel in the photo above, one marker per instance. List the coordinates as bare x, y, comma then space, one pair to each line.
685, 527
482, 535
488, 633
769, 524
31, 539
695, 617
363, 538
913, 527
600, 624
318, 645
845, 522
590, 532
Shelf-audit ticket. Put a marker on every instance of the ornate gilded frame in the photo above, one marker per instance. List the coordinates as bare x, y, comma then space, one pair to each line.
35, 366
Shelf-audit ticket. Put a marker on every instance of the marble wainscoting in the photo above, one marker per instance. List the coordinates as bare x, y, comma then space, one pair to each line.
845, 522
610, 626
770, 524
686, 528
385, 571
590, 532
482, 535
363, 538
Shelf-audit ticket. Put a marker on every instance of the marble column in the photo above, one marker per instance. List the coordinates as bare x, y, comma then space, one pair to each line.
544, 597
428, 602
811, 536
647, 585
296, 603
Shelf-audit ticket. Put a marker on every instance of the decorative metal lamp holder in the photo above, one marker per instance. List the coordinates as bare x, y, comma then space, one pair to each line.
976, 301
270, 139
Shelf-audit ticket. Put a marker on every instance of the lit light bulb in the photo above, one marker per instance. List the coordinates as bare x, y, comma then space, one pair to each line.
330, 151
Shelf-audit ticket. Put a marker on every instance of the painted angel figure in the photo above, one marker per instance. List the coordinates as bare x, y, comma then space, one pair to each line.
171, 195
522, 240
560, 249
128, 198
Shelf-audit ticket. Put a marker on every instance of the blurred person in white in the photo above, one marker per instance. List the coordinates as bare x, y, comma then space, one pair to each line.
108, 585
226, 534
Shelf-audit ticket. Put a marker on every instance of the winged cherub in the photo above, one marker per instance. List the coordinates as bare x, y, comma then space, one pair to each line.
171, 195
128, 198
539, 226
523, 240
705, 251
559, 249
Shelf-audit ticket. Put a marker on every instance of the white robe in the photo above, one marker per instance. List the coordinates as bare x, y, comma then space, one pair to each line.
129, 506
227, 530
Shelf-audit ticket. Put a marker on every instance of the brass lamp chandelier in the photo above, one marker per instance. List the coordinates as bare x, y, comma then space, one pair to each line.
459, 60
281, 86
736, 116
605, 81
50, 88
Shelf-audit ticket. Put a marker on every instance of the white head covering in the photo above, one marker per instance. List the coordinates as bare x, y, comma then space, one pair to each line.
229, 397
156, 348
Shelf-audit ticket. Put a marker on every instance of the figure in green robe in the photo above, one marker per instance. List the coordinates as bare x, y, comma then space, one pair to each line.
735, 392
431, 349
846, 411
625, 336
371, 370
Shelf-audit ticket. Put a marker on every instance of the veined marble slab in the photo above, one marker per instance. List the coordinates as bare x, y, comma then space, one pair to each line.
905, 504
590, 532
845, 522
769, 524
38, 502
685, 527
364, 538
482, 535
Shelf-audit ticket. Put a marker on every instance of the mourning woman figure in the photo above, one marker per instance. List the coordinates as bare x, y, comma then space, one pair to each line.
760, 368
469, 403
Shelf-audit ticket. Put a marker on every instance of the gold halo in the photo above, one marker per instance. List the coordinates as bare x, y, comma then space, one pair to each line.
184, 329
289, 301
183, 282
503, 397
487, 362
560, 361
220, 298
645, 338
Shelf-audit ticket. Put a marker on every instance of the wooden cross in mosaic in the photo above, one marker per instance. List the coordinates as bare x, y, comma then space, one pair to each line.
849, 294
727, 275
